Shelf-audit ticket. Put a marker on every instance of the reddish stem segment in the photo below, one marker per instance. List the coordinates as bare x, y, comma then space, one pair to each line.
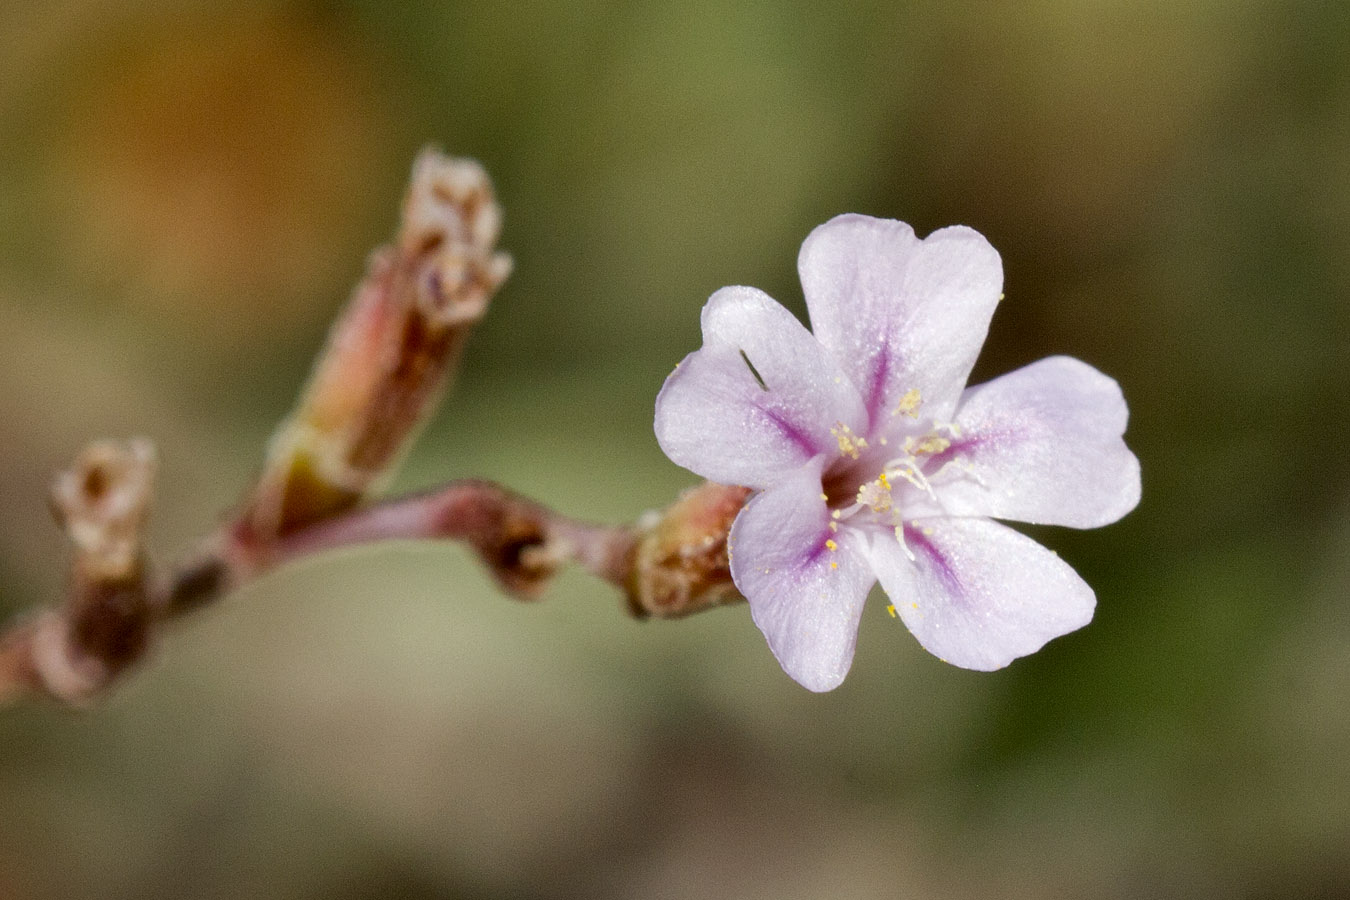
521, 542
77, 652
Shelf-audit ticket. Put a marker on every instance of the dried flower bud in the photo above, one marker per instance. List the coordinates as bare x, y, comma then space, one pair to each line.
389, 356
680, 563
102, 501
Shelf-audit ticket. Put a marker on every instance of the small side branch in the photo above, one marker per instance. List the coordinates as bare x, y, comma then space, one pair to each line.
521, 542
105, 625
670, 565
387, 361
390, 354
75, 653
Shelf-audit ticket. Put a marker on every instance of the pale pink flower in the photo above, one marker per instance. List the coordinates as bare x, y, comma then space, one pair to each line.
873, 461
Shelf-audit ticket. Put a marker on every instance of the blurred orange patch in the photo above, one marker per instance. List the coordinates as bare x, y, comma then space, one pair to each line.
214, 169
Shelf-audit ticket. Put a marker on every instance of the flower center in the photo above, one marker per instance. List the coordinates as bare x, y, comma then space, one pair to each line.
872, 482
916, 456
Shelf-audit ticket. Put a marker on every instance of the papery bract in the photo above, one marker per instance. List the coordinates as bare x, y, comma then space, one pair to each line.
873, 461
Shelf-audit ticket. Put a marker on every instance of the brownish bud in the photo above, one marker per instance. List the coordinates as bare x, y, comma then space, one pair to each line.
102, 501
680, 563
389, 356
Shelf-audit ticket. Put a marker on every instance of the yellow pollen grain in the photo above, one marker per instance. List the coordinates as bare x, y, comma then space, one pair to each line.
834, 526
834, 565
850, 444
931, 444
909, 404
831, 545
891, 609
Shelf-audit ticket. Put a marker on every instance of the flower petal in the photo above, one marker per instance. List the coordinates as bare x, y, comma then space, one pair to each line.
716, 418
978, 594
805, 597
1042, 444
900, 313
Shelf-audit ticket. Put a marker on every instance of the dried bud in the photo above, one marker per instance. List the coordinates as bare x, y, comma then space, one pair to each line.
102, 501
680, 563
389, 356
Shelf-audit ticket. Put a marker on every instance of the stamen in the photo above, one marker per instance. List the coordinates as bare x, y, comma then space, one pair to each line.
932, 444
965, 466
900, 537
850, 444
847, 512
929, 444
909, 404
908, 469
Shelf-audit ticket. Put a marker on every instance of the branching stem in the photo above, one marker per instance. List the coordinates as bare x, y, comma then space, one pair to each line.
387, 361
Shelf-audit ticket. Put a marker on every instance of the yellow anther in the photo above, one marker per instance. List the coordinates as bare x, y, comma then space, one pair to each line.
850, 444
931, 444
834, 526
891, 609
909, 404
831, 545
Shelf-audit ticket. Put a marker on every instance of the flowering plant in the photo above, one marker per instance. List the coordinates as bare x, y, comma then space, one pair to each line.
874, 462
836, 460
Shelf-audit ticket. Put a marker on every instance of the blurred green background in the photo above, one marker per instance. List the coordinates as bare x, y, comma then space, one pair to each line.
187, 193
